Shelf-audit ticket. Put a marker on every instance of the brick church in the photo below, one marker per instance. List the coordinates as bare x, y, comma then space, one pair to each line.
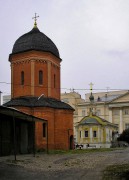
35, 89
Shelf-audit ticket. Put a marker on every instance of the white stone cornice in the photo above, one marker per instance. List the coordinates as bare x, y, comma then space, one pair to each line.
120, 105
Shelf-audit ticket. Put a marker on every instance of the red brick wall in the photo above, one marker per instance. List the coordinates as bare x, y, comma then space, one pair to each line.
18, 89
60, 127
23, 62
63, 128
41, 89
60, 122
55, 90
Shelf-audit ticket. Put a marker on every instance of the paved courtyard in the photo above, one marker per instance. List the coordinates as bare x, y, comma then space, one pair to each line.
87, 166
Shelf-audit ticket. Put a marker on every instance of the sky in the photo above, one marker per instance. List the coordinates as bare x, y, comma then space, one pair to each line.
92, 37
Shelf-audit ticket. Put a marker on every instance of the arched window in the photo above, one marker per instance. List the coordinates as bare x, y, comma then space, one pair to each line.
22, 78
54, 80
40, 77
44, 129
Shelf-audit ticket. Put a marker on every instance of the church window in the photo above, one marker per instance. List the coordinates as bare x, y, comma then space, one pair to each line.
54, 80
80, 134
86, 133
94, 134
40, 77
22, 78
44, 129
126, 111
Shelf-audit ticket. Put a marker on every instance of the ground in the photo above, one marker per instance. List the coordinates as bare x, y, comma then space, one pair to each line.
87, 166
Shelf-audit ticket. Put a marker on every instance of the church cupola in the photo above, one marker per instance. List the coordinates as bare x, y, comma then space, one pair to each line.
35, 65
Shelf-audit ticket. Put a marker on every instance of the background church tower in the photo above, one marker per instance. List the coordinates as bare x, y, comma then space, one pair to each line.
35, 65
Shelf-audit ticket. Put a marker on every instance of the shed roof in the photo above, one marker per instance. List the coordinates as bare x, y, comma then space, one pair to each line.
12, 112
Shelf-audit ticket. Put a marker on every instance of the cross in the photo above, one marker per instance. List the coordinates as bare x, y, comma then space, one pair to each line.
35, 19
91, 85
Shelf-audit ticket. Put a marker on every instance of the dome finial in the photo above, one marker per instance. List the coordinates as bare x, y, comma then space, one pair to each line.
91, 98
91, 84
35, 19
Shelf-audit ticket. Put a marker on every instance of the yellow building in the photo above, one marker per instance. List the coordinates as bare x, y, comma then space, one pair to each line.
94, 131
73, 98
112, 106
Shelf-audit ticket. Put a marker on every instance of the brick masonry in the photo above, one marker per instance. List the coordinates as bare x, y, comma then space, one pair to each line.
60, 121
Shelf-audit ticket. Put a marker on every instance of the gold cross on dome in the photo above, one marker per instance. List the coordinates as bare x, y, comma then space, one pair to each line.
35, 19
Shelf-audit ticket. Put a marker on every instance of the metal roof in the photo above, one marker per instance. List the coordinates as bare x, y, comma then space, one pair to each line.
12, 112
109, 97
32, 101
35, 40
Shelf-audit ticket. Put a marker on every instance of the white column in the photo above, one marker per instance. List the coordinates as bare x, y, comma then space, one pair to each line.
107, 135
76, 134
98, 134
110, 115
121, 122
101, 135
91, 136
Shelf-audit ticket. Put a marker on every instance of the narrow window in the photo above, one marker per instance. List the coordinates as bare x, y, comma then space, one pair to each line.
86, 133
40, 77
80, 134
126, 111
22, 78
44, 129
94, 134
54, 80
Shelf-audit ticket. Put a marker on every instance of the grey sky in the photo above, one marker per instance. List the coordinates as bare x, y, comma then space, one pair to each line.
92, 37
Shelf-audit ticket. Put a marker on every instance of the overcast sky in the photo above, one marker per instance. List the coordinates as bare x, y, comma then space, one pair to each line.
92, 37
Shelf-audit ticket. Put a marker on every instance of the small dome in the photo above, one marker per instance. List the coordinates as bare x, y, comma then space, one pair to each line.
35, 40
91, 97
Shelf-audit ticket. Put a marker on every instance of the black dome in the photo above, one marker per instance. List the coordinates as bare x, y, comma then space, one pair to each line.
35, 40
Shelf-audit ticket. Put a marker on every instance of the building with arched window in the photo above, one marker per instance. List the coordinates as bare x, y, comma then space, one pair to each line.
35, 89
93, 131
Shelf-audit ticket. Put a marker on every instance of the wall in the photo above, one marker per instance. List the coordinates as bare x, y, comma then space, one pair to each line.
31, 63
60, 127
